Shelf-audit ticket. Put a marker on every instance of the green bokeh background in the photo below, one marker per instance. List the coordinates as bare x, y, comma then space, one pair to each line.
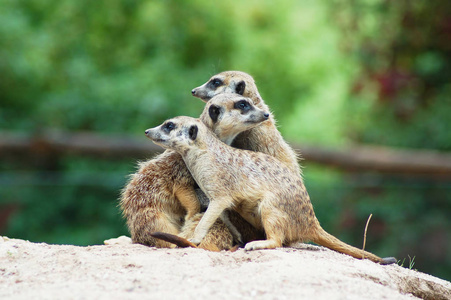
335, 73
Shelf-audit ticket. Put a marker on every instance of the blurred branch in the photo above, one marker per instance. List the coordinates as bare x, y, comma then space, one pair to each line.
382, 159
425, 163
81, 143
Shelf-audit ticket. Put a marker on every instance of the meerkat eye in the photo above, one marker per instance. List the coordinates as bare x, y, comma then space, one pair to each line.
169, 126
242, 105
216, 82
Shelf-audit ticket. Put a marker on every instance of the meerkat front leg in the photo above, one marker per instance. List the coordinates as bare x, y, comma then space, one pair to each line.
204, 201
214, 211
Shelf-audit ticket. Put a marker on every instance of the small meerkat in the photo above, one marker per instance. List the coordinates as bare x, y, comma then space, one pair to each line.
161, 195
264, 138
265, 192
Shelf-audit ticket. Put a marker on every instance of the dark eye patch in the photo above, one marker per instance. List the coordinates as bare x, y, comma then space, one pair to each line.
215, 83
242, 105
169, 126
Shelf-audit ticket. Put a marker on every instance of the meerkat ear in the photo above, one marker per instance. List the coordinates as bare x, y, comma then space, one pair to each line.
192, 133
240, 87
214, 112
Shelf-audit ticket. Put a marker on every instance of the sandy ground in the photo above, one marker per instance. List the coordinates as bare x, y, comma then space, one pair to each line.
126, 271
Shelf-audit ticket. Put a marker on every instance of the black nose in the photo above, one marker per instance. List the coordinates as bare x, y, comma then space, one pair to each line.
266, 115
193, 92
147, 131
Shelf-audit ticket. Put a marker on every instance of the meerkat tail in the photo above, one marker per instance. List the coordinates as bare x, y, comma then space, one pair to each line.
174, 239
327, 240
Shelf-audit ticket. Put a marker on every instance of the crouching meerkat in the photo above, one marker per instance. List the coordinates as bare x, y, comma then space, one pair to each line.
154, 196
268, 194
161, 196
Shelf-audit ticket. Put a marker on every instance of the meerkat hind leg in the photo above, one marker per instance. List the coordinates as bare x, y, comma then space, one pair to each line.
274, 233
274, 238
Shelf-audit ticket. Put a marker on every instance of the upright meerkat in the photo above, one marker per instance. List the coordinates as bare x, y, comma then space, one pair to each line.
268, 194
161, 195
264, 138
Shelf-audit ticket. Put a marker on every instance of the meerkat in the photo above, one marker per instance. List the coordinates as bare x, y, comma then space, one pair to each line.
161, 195
152, 199
264, 138
265, 192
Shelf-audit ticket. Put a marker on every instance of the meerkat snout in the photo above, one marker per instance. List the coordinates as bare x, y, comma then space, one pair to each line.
193, 92
264, 117
146, 132
261, 117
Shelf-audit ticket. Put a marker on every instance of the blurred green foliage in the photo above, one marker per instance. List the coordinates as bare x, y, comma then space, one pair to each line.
333, 72
404, 80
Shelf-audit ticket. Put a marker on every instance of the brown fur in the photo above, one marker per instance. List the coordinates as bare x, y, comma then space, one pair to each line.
267, 193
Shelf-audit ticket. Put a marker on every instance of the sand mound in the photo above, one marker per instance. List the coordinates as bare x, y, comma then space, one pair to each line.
122, 270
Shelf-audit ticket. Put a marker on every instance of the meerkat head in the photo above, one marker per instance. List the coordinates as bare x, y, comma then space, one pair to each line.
227, 115
231, 82
179, 133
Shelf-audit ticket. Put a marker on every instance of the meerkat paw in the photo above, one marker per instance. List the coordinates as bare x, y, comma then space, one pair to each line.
195, 241
257, 245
